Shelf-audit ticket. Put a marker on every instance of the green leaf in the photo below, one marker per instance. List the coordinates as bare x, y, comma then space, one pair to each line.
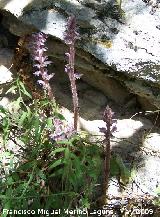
5, 123
66, 142
114, 167
124, 171
29, 114
57, 151
49, 123
92, 174
37, 127
17, 104
15, 177
9, 181
74, 156
5, 154
67, 154
60, 116
3, 110
41, 174
56, 163
27, 166
73, 181
57, 173
133, 173
11, 89
24, 91
22, 118
11, 164
5, 126
85, 203
9, 191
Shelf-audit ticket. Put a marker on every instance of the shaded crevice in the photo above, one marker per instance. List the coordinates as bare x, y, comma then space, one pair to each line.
7, 39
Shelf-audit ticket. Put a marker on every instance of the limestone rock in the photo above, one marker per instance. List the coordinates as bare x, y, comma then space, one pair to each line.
146, 178
5, 75
128, 127
125, 47
152, 142
148, 175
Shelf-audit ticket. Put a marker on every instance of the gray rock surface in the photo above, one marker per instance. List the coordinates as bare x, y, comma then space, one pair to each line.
6, 56
5, 75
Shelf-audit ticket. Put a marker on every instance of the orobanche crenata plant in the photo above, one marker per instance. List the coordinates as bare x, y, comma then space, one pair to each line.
70, 38
40, 61
45, 164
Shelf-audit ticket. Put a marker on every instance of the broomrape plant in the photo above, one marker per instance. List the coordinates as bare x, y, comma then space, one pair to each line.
70, 38
54, 166
38, 49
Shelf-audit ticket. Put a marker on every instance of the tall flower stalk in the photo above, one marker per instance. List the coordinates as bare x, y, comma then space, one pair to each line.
38, 49
70, 37
110, 128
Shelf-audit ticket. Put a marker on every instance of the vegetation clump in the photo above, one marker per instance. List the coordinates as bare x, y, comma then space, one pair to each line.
50, 165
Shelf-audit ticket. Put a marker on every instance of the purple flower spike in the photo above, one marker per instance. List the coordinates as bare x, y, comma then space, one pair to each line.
108, 130
70, 37
110, 122
71, 34
38, 49
62, 130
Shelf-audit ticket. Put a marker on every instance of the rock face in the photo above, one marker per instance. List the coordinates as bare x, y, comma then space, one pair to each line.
6, 76
119, 46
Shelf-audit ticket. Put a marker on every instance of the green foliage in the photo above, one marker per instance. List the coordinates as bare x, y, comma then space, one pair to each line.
42, 173
157, 199
118, 169
39, 172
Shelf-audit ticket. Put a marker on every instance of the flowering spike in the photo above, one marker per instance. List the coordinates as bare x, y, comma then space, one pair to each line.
71, 34
37, 47
70, 37
107, 118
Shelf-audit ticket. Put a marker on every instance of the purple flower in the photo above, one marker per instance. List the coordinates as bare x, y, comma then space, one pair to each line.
71, 33
37, 73
67, 55
110, 122
70, 37
38, 49
77, 75
62, 130
41, 82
